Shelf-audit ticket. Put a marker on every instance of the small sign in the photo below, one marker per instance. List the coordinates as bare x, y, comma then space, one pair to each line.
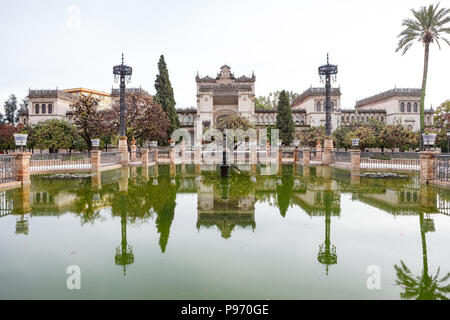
355, 142
154, 143
296, 143
20, 139
95, 142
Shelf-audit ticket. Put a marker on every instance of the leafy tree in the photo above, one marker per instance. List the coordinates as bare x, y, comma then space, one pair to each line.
271, 101
164, 96
340, 137
11, 109
397, 136
54, 134
7, 131
442, 122
145, 120
312, 136
88, 119
285, 123
234, 121
427, 26
366, 136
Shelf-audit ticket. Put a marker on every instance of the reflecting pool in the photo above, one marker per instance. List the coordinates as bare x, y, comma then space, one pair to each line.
182, 232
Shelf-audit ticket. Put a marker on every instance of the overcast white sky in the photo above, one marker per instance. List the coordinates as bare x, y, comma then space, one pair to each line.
283, 42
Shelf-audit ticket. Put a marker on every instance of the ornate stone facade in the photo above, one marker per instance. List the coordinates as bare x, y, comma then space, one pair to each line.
224, 95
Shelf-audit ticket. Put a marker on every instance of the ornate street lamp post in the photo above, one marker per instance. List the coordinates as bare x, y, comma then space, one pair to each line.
123, 73
325, 73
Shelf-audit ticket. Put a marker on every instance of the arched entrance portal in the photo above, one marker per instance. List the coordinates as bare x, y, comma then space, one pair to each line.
221, 114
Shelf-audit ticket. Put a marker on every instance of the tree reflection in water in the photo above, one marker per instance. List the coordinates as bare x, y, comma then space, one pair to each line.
424, 286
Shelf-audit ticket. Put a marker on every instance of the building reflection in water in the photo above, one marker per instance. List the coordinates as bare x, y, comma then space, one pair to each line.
136, 194
223, 203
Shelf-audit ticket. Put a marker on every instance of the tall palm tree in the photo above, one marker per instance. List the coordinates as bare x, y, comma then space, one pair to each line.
427, 26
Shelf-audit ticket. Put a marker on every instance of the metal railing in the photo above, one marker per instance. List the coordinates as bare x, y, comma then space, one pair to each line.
110, 158
442, 168
8, 169
390, 160
59, 161
392, 155
287, 154
341, 156
163, 153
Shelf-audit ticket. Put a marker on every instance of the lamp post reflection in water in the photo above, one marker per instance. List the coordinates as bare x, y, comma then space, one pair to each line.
327, 251
124, 252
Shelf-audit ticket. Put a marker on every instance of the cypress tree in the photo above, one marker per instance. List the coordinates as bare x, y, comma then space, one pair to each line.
285, 123
11, 109
164, 95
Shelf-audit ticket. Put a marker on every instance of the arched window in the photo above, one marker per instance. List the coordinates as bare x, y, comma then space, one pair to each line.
261, 119
43, 109
50, 108
353, 118
267, 119
297, 120
348, 118
408, 107
184, 119
303, 120
343, 119
367, 119
36, 108
271, 119
402, 107
190, 118
416, 107
318, 107
332, 106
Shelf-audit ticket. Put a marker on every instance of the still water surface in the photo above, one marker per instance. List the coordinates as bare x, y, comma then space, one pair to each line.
306, 233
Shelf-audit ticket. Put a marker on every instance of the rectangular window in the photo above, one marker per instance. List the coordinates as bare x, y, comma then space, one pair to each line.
50, 108
36, 109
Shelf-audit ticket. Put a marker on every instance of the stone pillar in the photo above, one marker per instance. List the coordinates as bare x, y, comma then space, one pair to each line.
327, 151
280, 156
355, 161
22, 163
144, 158
133, 153
319, 152
253, 154
306, 155
172, 155
123, 149
96, 156
426, 166
155, 155
197, 154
